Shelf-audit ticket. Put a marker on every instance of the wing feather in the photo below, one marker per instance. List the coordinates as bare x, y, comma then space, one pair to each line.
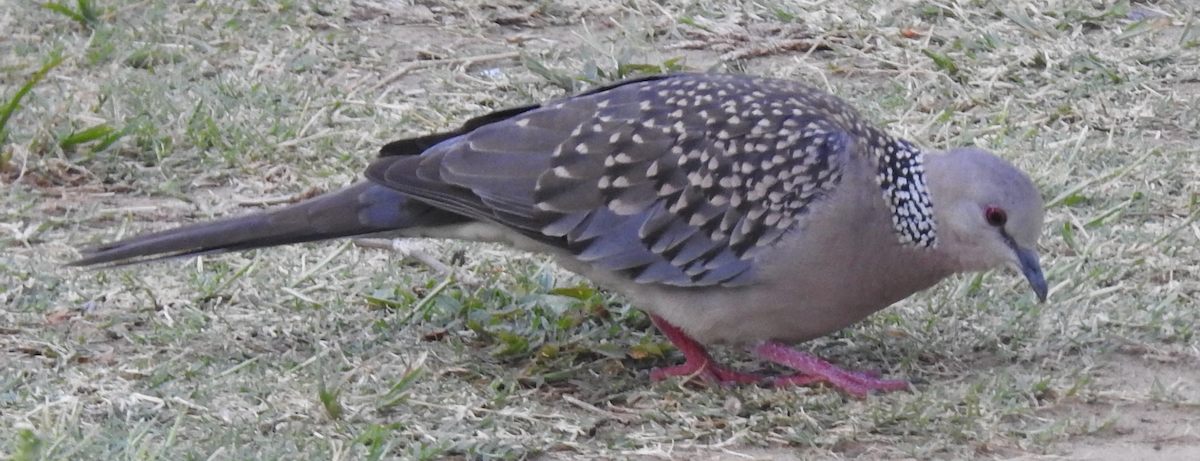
677, 180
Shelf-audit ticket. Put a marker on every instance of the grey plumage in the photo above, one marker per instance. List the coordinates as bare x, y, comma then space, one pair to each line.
738, 209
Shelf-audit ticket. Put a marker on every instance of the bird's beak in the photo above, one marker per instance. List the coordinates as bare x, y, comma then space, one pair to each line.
1032, 270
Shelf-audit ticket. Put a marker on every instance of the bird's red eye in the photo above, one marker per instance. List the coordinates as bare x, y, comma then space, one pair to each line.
995, 216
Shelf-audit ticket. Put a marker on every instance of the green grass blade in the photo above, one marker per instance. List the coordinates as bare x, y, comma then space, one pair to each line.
13, 104
88, 135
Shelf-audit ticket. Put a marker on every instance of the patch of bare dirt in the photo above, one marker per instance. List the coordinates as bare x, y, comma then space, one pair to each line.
1149, 411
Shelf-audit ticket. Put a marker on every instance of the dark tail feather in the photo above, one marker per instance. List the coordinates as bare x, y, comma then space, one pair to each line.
364, 208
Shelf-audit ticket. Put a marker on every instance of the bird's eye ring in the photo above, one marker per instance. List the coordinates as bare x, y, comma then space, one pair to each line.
995, 216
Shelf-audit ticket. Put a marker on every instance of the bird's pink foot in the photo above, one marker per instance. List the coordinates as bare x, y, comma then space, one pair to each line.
698, 361
813, 370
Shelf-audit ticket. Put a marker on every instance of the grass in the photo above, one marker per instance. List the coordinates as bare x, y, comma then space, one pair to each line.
162, 113
14, 102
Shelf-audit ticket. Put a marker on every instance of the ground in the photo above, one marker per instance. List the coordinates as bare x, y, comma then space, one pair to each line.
125, 116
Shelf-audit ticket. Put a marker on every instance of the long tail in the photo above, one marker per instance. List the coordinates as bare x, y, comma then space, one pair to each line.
364, 208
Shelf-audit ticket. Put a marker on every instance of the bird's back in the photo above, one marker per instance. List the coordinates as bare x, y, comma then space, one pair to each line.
677, 181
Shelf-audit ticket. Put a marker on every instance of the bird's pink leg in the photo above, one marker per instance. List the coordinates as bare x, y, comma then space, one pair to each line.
697, 360
813, 369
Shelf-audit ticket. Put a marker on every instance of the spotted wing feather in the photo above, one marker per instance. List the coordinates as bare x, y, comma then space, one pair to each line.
679, 180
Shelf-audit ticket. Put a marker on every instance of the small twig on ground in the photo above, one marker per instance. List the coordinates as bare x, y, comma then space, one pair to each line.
297, 141
409, 251
268, 201
312, 270
597, 410
414, 65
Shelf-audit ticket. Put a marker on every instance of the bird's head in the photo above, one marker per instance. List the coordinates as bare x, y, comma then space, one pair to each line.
988, 213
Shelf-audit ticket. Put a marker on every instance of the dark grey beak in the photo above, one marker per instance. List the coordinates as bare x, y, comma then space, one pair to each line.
1032, 271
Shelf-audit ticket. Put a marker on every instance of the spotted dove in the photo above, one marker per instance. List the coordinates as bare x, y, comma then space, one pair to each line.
731, 209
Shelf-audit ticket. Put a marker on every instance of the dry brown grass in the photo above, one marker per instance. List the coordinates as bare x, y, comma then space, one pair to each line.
326, 352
